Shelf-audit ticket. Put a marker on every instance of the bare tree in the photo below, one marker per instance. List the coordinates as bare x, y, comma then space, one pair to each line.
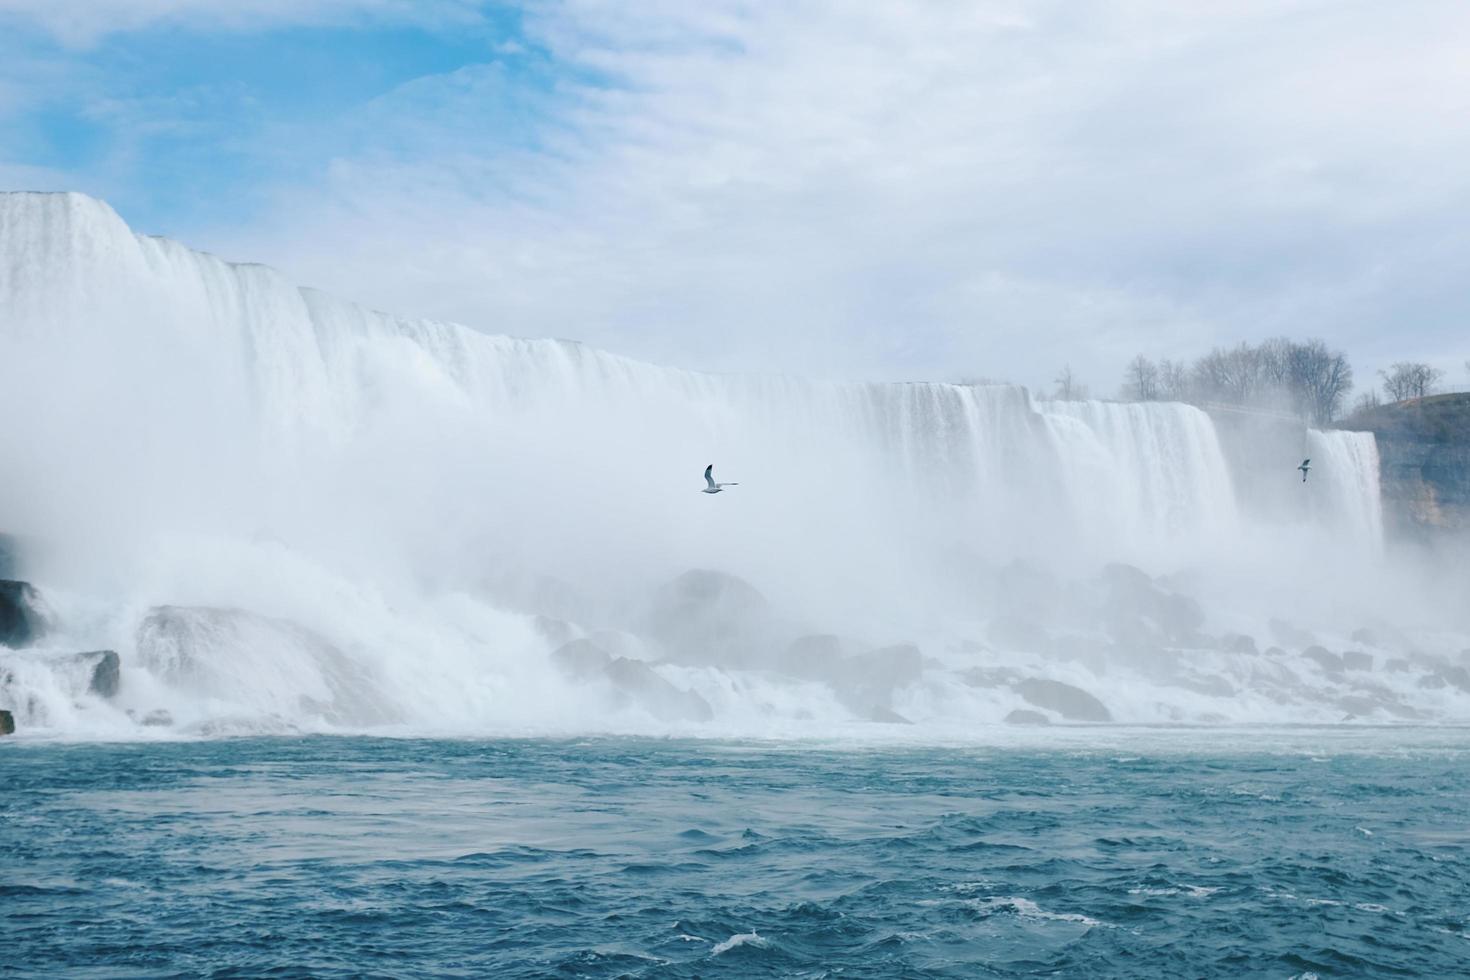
1410, 379
1319, 379
1173, 381
1230, 376
1141, 380
1367, 401
1274, 361
1067, 386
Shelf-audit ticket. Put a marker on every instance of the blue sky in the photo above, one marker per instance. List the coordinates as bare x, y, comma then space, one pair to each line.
925, 189
185, 125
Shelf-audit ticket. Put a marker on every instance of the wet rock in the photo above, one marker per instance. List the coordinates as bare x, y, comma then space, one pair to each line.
1025, 716
269, 666
1358, 706
1070, 702
158, 718
22, 614
7, 722
581, 659
660, 698
1131, 594
103, 671
710, 617
865, 683
1357, 660
634, 681
1238, 643
1323, 658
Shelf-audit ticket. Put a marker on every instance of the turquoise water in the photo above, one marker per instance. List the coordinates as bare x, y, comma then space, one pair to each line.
1272, 854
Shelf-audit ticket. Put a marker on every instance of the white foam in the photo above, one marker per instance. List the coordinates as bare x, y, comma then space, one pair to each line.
739, 939
1027, 909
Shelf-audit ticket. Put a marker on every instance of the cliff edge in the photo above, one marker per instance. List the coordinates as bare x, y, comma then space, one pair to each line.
1424, 460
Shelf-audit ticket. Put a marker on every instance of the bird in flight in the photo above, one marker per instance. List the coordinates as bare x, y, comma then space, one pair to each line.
709, 478
1306, 465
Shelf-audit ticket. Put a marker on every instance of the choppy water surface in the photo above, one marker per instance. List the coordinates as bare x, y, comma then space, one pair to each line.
1239, 854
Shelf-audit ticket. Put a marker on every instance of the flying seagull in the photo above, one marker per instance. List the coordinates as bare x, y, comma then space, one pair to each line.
1306, 465
709, 478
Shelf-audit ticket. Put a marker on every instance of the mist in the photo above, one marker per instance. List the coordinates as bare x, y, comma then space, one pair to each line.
286, 512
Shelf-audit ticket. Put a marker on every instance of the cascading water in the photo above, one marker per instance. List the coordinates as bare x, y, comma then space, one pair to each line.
283, 510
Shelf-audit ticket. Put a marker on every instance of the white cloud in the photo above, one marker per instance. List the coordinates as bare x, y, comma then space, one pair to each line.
922, 189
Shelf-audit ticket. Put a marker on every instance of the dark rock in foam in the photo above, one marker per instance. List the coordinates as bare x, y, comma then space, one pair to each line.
635, 681
1323, 658
660, 698
1025, 716
1070, 702
103, 671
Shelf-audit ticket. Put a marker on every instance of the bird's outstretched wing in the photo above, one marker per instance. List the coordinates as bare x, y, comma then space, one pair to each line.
709, 476
1305, 463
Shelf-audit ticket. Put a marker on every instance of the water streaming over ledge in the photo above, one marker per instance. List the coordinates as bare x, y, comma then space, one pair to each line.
350, 519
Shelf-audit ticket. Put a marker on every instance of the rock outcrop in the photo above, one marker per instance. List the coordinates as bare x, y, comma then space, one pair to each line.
102, 669
1137, 610
1072, 703
272, 666
1025, 716
1423, 463
22, 614
633, 681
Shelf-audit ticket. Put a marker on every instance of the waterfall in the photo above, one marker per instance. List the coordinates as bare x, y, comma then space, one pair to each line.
186, 431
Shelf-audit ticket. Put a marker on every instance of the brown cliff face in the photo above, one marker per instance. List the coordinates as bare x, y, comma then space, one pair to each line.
1424, 463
